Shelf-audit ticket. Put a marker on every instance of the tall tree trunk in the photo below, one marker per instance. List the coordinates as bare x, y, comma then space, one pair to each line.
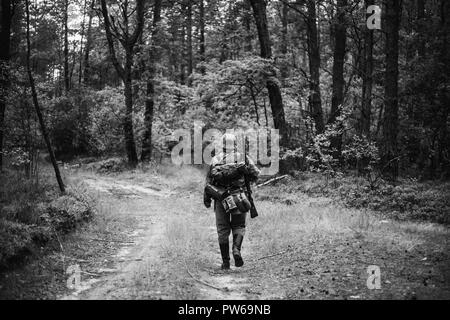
276, 101
149, 102
173, 57
190, 55
83, 34
248, 27
444, 95
366, 108
87, 48
340, 38
128, 41
421, 27
5, 39
390, 120
366, 72
284, 39
202, 50
36, 103
445, 27
128, 119
183, 58
315, 100
66, 46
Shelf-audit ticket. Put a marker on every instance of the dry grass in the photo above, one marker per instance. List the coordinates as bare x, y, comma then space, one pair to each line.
304, 242
325, 239
280, 226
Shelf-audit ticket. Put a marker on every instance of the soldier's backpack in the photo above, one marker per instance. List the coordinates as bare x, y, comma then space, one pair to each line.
224, 174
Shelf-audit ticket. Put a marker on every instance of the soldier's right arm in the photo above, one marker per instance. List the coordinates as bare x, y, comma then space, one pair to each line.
206, 198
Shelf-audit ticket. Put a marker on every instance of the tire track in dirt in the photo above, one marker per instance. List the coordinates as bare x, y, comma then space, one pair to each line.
144, 248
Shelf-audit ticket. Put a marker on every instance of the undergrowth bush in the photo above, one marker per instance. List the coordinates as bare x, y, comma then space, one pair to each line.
14, 239
408, 200
110, 165
33, 214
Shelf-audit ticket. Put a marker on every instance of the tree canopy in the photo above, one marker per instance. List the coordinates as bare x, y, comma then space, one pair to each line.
118, 77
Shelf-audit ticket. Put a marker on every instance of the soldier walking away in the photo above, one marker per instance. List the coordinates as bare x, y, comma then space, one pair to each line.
225, 184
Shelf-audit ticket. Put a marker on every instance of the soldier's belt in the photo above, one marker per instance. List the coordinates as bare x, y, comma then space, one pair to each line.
233, 200
236, 202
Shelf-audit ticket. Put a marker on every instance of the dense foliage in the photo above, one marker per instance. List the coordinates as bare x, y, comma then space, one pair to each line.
32, 214
202, 61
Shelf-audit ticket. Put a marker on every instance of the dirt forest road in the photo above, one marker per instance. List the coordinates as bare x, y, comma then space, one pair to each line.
154, 261
165, 247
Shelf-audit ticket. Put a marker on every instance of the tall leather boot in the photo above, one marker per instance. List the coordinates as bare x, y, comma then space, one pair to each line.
225, 252
237, 243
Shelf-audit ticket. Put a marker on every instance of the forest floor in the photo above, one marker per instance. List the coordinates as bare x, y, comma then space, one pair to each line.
152, 238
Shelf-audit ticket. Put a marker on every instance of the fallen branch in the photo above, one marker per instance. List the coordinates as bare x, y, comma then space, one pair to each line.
271, 181
275, 254
91, 274
78, 260
63, 252
128, 260
106, 240
201, 281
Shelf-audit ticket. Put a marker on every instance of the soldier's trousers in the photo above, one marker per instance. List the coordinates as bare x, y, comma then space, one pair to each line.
227, 223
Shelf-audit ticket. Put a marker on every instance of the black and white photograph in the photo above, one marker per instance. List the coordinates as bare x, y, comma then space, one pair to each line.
226, 152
